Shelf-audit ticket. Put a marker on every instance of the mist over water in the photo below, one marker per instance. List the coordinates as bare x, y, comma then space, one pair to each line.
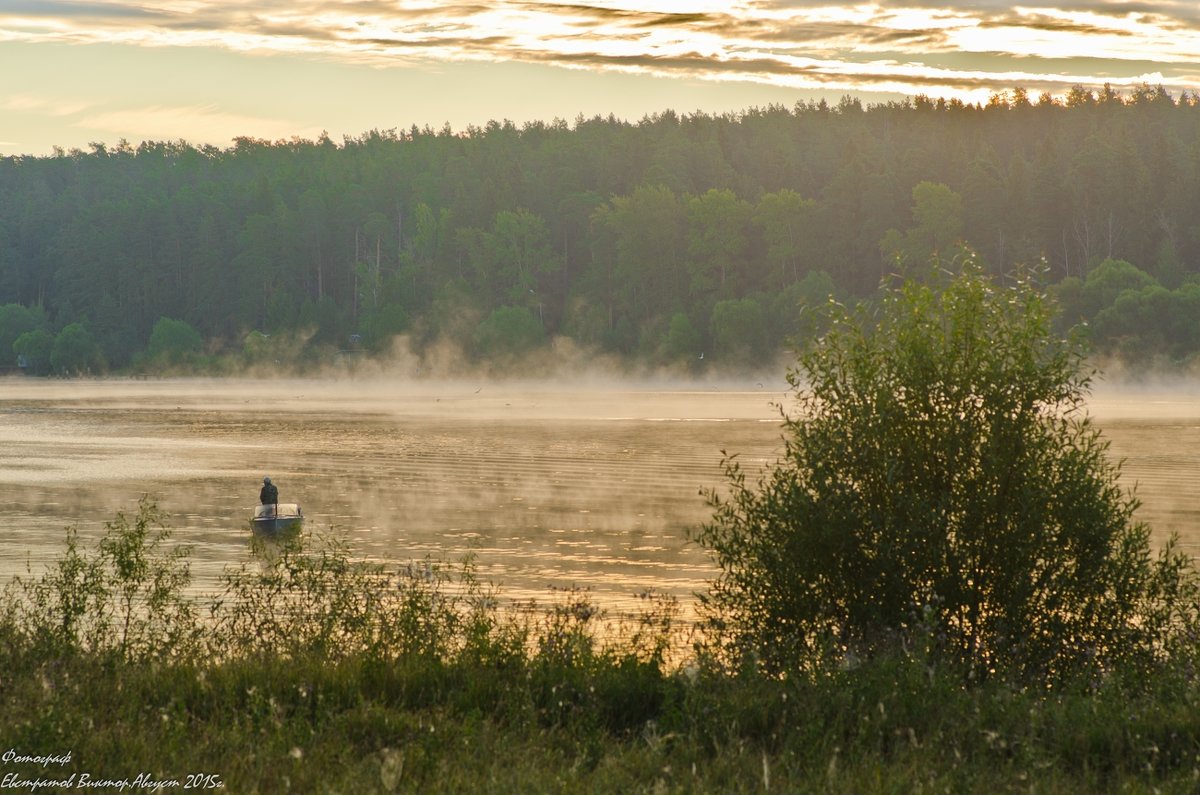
1154, 432
551, 485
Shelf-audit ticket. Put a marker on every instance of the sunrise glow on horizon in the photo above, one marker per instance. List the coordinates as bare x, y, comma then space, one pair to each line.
207, 72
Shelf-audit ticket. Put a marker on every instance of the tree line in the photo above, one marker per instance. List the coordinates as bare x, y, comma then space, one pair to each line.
669, 239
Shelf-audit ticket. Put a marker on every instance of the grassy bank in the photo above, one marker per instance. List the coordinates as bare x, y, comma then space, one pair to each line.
309, 672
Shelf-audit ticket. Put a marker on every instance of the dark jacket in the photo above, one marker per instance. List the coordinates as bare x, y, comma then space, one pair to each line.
269, 494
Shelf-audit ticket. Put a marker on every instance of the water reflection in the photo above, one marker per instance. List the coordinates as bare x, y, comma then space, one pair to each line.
550, 486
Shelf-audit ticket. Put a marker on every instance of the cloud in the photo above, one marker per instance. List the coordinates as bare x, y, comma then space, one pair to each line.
1053, 24
68, 9
25, 103
782, 42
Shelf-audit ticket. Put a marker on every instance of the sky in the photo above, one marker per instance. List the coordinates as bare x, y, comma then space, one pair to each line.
78, 72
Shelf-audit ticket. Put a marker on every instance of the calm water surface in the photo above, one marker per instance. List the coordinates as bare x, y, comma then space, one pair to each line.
551, 486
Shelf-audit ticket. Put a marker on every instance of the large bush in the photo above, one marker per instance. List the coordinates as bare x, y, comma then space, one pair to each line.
173, 341
16, 320
75, 351
33, 350
941, 484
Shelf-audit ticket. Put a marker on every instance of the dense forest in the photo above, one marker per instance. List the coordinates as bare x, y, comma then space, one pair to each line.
661, 242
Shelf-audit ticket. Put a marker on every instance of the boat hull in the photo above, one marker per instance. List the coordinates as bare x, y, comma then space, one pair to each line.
280, 518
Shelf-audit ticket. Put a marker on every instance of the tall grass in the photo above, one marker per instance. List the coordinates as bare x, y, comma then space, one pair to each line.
309, 671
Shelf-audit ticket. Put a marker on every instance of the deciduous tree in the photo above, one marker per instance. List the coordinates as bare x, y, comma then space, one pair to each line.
941, 485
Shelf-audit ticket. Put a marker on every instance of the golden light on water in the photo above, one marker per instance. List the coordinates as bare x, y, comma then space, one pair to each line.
592, 486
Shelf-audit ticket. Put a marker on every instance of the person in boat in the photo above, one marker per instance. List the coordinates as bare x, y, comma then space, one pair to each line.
269, 495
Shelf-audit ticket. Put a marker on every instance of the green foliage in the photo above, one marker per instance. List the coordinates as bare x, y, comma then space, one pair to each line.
75, 351
16, 320
816, 288
1153, 318
437, 686
937, 211
683, 341
627, 223
512, 260
381, 326
640, 239
173, 341
942, 486
283, 311
34, 348
508, 331
320, 323
519, 255
938, 223
795, 313
787, 221
1083, 299
1131, 315
269, 352
1111, 278
740, 331
256, 348
718, 222
305, 596
125, 597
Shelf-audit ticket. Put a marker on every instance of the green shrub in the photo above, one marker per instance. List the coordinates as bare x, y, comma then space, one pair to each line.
552, 699
75, 351
33, 351
16, 321
173, 341
942, 488
305, 596
508, 331
739, 330
125, 597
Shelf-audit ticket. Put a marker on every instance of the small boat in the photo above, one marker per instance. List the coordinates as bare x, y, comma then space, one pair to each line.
277, 517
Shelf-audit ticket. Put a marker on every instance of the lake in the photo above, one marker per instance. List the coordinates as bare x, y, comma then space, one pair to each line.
550, 486
554, 485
